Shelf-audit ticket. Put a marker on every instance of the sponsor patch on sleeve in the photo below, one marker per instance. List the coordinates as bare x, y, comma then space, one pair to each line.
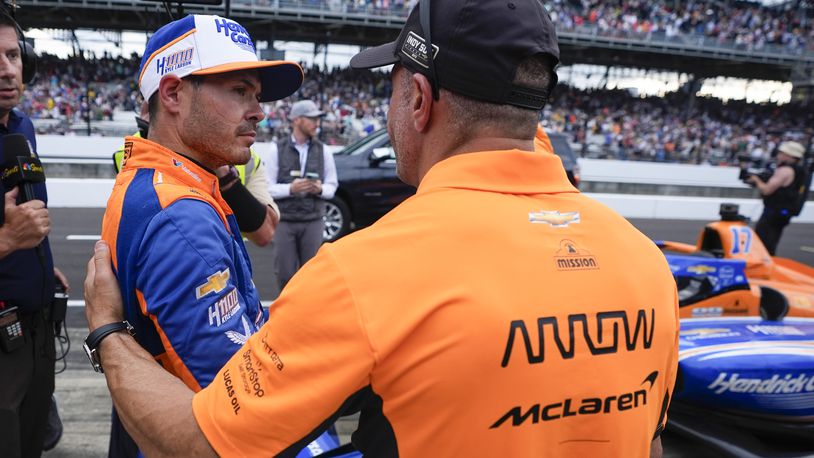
215, 283
236, 336
224, 308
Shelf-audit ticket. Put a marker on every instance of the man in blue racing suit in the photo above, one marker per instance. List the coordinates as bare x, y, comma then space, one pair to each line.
181, 263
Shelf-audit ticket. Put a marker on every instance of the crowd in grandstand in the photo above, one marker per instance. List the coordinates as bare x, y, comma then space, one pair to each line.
64, 88
395, 7
615, 124
355, 103
607, 123
745, 25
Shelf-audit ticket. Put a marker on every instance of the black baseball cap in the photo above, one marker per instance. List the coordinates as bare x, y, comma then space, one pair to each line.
477, 47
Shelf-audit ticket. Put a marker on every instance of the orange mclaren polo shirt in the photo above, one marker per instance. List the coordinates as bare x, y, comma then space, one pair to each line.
498, 312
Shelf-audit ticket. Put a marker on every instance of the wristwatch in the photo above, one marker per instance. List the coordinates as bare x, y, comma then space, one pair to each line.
93, 340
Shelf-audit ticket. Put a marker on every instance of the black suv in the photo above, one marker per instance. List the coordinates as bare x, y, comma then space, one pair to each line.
369, 187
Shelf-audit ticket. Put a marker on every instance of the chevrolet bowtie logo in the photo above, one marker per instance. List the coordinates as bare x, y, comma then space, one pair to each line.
554, 218
215, 283
701, 269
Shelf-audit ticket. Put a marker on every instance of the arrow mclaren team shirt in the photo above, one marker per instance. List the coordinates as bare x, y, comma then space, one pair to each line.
497, 312
182, 267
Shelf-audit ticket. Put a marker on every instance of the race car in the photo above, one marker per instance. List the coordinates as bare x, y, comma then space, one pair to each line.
745, 386
729, 272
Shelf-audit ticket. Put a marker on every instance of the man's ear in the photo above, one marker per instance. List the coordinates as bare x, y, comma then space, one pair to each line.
169, 91
422, 101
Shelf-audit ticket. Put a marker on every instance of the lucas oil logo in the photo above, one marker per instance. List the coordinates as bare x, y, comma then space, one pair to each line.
235, 32
174, 61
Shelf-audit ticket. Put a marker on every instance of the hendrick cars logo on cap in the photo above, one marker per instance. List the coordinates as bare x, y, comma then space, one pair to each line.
235, 32
207, 44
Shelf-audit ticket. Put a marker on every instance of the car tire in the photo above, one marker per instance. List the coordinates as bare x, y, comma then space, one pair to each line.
337, 219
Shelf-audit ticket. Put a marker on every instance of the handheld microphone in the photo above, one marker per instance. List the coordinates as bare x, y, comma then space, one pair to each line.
20, 167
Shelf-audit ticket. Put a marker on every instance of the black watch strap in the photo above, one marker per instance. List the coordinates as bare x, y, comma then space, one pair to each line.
95, 338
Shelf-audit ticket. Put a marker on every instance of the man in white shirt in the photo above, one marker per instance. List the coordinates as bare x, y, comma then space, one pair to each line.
302, 175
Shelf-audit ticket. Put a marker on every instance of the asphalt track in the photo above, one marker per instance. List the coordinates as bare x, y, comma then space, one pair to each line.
82, 394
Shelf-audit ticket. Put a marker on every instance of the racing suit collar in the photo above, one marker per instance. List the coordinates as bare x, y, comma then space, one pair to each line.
145, 154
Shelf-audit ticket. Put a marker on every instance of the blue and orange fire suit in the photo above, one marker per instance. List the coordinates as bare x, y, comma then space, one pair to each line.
183, 270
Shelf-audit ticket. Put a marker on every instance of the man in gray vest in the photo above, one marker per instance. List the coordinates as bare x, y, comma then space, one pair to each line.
302, 176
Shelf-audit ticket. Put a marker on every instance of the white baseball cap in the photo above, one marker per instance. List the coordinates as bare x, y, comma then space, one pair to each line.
792, 149
207, 44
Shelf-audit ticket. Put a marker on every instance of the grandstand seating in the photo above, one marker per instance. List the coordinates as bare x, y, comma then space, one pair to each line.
742, 37
606, 123
739, 25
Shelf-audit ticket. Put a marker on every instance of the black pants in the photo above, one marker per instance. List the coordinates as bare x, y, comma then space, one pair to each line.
26, 386
770, 227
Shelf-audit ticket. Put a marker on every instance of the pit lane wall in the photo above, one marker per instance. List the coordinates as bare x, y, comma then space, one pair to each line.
716, 183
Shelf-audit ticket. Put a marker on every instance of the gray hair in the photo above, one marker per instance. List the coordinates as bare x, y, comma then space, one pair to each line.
468, 114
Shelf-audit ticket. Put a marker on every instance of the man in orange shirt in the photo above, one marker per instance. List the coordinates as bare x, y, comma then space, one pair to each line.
497, 312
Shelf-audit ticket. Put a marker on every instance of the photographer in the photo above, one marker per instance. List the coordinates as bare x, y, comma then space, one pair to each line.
781, 194
302, 176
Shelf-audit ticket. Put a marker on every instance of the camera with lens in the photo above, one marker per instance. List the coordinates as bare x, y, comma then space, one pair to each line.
762, 172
